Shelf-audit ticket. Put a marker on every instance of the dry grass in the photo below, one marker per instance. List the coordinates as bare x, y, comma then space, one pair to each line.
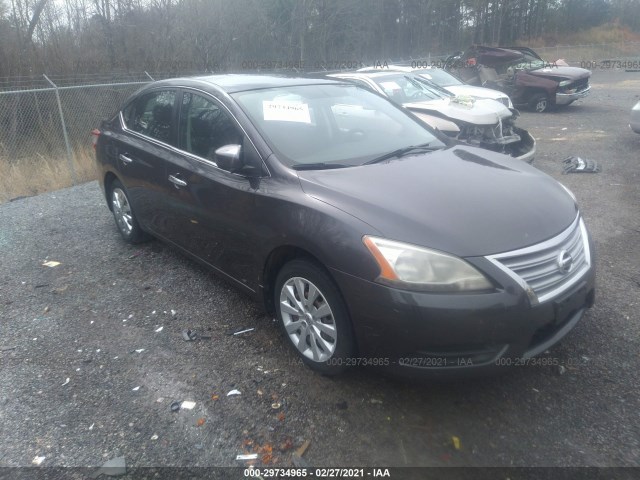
26, 177
606, 34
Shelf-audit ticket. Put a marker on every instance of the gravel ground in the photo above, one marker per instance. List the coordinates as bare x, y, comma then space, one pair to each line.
91, 355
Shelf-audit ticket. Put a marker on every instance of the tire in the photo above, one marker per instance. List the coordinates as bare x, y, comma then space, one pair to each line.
324, 340
126, 221
539, 103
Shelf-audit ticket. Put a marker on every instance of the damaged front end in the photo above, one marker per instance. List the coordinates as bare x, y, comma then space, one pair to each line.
503, 137
500, 136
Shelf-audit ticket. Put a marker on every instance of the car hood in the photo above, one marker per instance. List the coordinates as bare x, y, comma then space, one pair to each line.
479, 92
561, 73
483, 111
461, 200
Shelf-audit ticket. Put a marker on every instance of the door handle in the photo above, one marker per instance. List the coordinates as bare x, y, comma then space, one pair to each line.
177, 182
126, 160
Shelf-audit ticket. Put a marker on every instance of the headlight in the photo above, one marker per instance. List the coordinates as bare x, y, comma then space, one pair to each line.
564, 83
417, 268
509, 103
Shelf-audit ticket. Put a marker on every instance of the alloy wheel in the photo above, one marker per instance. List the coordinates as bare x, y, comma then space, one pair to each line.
308, 319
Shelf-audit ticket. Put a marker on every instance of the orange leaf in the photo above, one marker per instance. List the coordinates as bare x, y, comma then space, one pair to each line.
215, 397
281, 417
267, 458
200, 422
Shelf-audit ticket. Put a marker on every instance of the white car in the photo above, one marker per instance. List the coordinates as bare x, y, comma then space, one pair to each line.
484, 123
635, 118
450, 83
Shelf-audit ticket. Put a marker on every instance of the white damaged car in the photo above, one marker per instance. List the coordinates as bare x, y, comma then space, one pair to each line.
484, 123
452, 84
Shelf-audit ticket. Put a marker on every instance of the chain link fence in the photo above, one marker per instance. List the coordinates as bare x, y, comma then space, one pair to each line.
45, 133
595, 53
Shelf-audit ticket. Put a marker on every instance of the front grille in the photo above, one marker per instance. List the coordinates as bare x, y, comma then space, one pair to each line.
538, 268
580, 85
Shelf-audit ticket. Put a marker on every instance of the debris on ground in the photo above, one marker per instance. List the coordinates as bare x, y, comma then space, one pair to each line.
174, 313
456, 442
192, 335
154, 436
6, 349
51, 264
375, 401
242, 330
575, 164
215, 397
38, 460
113, 468
159, 329
281, 416
234, 392
140, 350
66, 381
137, 254
175, 406
297, 459
188, 405
561, 370
135, 389
276, 405
200, 422
247, 456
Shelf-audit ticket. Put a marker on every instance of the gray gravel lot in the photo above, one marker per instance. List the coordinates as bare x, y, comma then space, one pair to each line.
94, 320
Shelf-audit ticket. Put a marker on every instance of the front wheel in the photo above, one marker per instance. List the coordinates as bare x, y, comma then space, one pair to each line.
313, 317
539, 103
123, 214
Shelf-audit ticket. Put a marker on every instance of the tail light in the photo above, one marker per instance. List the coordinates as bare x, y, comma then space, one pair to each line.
95, 133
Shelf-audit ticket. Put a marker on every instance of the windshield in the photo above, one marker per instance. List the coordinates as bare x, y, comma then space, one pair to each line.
324, 125
439, 77
404, 88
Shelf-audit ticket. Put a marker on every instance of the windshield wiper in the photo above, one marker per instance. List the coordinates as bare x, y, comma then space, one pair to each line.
318, 166
401, 152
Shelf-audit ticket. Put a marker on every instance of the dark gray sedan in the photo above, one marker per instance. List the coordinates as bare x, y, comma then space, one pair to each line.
373, 239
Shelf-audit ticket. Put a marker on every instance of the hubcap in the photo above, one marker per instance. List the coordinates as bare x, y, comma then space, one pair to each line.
308, 319
122, 211
541, 105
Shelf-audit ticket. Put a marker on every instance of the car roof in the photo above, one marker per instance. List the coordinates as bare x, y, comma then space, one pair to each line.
231, 83
377, 74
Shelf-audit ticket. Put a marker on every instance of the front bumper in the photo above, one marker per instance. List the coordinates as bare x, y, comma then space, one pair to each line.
566, 98
444, 335
525, 149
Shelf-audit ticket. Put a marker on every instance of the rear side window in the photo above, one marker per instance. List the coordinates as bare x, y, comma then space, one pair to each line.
204, 126
151, 115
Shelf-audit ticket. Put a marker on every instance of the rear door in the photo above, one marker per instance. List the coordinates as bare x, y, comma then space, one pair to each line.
141, 151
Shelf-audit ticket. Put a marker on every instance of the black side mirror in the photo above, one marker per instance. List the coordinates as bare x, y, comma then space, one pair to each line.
228, 158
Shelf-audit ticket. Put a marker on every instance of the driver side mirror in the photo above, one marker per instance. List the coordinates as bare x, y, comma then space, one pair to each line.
228, 158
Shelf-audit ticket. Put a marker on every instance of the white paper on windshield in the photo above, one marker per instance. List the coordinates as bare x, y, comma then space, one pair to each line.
390, 86
284, 111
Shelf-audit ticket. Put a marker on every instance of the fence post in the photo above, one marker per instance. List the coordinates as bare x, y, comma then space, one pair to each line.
64, 132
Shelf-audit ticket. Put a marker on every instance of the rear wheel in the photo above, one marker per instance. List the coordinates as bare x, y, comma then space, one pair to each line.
313, 317
539, 102
123, 214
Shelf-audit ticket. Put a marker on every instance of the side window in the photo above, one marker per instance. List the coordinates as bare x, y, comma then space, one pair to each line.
151, 115
204, 126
